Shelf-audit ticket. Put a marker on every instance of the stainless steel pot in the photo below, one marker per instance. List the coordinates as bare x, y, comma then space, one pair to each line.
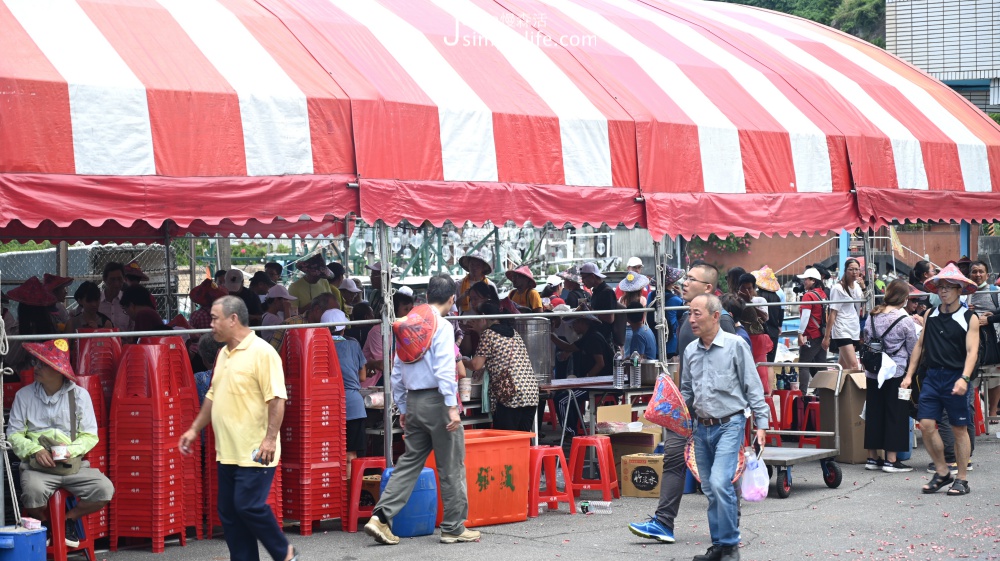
648, 371
535, 334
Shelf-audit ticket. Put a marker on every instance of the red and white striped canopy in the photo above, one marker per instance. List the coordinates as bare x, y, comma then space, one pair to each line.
690, 117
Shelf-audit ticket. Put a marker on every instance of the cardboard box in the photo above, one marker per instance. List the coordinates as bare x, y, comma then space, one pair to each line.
370, 490
623, 444
852, 401
641, 475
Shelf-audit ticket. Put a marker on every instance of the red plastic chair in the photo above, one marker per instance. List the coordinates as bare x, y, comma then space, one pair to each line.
545, 457
355, 510
57, 547
607, 483
812, 412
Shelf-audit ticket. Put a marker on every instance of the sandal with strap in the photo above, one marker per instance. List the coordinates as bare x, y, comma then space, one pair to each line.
959, 487
937, 483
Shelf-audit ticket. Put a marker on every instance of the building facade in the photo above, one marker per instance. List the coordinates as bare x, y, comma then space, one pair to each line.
956, 41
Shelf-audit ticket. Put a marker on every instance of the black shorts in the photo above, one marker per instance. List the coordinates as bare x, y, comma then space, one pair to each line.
835, 344
356, 436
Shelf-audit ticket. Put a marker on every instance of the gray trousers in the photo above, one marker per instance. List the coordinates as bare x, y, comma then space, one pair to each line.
813, 351
426, 422
672, 480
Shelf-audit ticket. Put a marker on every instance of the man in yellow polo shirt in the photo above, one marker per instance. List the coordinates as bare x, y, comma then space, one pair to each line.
245, 404
313, 282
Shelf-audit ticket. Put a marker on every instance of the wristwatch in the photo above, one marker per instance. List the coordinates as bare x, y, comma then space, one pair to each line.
967, 379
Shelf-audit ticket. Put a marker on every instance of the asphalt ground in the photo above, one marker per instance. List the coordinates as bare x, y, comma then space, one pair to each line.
871, 516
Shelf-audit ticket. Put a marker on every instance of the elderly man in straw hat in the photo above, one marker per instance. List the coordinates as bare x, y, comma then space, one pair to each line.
949, 345
52, 426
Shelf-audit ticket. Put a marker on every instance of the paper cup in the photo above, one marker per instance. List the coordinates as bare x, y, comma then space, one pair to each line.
60, 452
795, 386
465, 389
904, 393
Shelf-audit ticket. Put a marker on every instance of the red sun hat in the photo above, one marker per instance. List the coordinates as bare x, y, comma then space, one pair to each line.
951, 274
523, 271
134, 270
32, 293
55, 282
207, 292
55, 353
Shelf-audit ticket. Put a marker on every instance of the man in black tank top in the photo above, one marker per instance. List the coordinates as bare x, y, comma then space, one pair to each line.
949, 345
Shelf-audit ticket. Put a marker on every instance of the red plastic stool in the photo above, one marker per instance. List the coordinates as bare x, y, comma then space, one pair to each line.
57, 547
787, 403
551, 414
608, 482
355, 510
772, 439
812, 412
544, 457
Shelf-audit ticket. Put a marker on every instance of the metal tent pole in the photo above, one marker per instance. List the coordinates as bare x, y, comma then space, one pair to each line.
661, 316
193, 270
167, 267
387, 311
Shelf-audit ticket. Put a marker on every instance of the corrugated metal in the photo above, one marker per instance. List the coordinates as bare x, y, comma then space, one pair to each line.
946, 36
984, 99
637, 242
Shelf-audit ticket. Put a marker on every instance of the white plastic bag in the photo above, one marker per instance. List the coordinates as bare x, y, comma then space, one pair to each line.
887, 371
755, 479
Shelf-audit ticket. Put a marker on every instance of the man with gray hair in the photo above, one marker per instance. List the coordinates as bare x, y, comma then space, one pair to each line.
245, 404
720, 381
426, 393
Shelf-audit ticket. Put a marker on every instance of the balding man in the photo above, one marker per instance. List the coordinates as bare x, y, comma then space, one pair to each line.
720, 381
700, 280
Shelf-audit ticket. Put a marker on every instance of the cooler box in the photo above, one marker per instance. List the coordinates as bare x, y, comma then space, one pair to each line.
417, 517
18, 544
496, 475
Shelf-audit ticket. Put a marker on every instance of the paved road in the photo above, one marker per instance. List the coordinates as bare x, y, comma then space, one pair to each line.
872, 516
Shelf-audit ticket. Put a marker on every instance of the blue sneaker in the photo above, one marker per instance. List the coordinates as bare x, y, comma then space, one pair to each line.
653, 530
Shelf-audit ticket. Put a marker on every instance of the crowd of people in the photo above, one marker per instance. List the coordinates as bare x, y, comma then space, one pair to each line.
924, 335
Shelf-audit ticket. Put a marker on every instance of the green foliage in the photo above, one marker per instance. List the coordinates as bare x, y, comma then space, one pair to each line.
995, 117
698, 248
862, 18
27, 246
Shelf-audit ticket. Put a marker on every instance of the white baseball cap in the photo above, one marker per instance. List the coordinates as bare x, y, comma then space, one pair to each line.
278, 291
405, 290
591, 269
634, 262
811, 273
350, 286
234, 280
334, 315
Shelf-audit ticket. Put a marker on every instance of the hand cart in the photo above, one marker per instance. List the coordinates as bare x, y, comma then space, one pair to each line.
782, 459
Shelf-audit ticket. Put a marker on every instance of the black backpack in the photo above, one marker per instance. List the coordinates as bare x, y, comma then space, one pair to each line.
872, 348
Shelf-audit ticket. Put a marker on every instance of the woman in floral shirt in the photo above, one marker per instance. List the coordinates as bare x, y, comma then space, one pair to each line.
513, 386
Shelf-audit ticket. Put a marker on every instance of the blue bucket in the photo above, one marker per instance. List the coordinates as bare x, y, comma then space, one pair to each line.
417, 517
19, 544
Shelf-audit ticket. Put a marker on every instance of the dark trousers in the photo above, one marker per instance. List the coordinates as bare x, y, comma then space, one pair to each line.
672, 481
947, 434
514, 418
887, 419
244, 513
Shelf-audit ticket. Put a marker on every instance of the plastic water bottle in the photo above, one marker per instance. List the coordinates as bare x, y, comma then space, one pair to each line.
635, 380
619, 378
595, 507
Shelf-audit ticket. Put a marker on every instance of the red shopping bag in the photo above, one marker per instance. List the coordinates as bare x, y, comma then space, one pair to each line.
667, 408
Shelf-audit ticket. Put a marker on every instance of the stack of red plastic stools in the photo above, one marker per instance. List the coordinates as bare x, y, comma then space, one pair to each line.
313, 448
146, 464
211, 480
180, 366
98, 357
97, 524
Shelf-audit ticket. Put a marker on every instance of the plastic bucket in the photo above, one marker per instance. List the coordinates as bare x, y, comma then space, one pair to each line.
19, 544
417, 517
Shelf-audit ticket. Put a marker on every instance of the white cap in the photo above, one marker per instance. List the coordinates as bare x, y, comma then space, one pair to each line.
405, 290
349, 285
334, 315
811, 273
278, 291
554, 280
234, 280
634, 262
591, 269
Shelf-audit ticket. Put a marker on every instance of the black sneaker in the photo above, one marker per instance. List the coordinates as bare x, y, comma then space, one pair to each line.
714, 553
874, 465
72, 536
896, 467
730, 553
